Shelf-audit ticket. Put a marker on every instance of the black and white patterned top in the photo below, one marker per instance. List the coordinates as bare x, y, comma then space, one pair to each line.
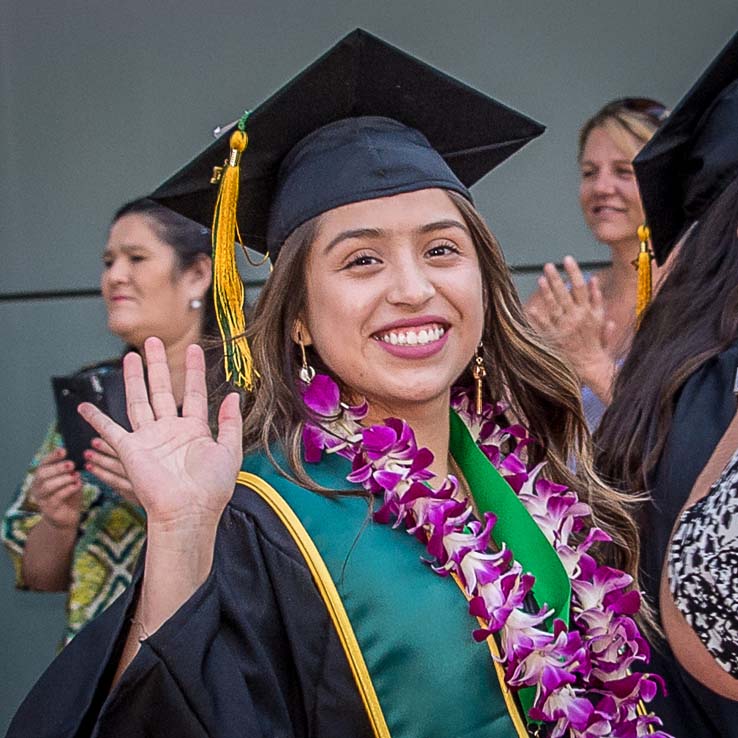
703, 568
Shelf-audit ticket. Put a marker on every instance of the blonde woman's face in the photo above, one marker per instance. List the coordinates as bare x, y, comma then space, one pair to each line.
394, 298
608, 191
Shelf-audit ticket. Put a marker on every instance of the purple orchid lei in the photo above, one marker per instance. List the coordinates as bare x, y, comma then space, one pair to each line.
583, 684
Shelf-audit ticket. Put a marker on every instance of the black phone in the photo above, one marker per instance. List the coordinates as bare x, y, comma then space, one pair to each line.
103, 387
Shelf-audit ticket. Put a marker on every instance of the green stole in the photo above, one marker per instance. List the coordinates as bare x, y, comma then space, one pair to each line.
411, 627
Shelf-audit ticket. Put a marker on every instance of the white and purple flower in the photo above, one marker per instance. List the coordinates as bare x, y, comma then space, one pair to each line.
581, 672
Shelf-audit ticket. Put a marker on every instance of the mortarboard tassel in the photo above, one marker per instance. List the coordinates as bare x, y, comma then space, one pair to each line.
228, 291
644, 272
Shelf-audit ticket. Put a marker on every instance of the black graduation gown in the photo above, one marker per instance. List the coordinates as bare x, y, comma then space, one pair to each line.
705, 406
243, 657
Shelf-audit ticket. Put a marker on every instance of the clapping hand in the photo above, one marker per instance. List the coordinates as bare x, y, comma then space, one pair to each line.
172, 466
573, 321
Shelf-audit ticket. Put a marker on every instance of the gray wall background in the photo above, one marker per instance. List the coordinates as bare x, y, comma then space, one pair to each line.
103, 100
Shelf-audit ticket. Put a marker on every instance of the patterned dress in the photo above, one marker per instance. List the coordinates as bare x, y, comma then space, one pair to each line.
703, 568
111, 534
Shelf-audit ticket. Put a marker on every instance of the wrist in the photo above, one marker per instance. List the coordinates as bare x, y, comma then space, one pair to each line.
599, 374
60, 527
175, 531
176, 566
186, 549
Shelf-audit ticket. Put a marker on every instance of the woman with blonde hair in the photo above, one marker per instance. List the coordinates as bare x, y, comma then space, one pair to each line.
590, 321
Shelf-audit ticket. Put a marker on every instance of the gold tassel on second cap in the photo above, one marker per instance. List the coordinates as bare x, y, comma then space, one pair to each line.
228, 291
643, 297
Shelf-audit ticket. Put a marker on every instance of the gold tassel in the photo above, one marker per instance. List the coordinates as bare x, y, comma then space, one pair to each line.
643, 297
228, 290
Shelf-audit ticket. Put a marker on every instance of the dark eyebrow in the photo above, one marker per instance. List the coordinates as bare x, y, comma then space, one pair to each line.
440, 225
372, 233
354, 233
127, 248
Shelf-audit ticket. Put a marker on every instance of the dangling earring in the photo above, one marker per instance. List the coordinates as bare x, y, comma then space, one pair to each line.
195, 304
479, 373
307, 373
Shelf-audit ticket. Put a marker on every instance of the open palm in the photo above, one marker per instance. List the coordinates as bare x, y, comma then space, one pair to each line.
179, 472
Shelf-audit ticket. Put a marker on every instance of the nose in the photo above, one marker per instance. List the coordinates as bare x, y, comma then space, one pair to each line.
411, 283
603, 183
116, 272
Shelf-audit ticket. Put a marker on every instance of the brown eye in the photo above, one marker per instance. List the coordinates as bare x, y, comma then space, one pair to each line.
362, 260
443, 249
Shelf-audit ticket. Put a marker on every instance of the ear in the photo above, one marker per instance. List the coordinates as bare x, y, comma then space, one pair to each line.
300, 331
200, 275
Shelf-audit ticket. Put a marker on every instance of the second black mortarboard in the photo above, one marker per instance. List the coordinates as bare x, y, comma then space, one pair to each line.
366, 120
693, 156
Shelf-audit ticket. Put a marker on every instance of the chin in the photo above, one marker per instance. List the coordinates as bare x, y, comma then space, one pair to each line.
127, 333
612, 236
412, 393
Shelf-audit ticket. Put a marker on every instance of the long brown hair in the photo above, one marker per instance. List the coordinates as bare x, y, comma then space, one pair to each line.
693, 318
541, 390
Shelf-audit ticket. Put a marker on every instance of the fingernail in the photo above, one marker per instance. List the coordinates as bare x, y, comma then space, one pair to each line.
95, 443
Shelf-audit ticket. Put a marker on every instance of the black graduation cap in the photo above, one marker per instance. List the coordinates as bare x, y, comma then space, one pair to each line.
693, 156
402, 114
364, 121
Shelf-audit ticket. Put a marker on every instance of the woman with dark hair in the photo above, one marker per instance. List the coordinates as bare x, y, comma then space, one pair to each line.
675, 397
591, 320
385, 510
73, 526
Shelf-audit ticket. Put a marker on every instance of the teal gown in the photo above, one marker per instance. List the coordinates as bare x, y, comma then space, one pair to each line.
315, 622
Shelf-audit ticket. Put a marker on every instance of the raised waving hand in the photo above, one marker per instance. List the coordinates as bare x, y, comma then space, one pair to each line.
178, 472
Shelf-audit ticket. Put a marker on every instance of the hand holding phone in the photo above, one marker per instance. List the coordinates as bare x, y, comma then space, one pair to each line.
103, 387
56, 489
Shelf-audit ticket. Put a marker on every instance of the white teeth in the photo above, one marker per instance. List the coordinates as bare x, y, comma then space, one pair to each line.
411, 338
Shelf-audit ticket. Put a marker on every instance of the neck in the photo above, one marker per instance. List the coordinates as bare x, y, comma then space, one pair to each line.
622, 275
429, 422
176, 351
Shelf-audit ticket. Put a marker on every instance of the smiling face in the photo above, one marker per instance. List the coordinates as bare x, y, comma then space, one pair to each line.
145, 291
608, 191
395, 303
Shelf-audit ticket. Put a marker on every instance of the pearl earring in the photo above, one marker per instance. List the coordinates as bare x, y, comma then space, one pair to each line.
195, 304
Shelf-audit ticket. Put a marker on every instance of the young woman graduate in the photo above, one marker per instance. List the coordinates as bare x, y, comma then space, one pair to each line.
664, 425
406, 482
